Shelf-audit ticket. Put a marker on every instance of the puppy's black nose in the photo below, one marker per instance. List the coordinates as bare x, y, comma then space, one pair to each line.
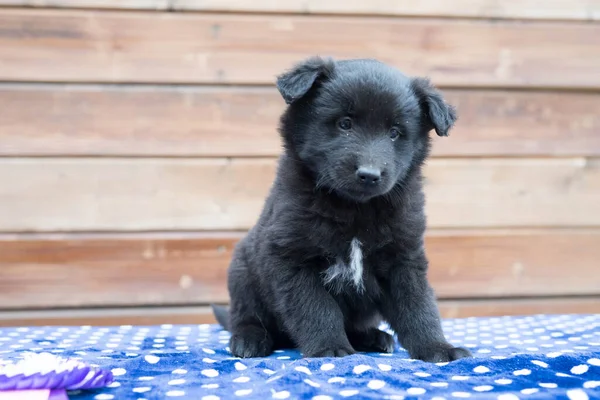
368, 175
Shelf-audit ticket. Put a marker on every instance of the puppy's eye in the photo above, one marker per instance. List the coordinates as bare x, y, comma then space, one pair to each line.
345, 123
395, 133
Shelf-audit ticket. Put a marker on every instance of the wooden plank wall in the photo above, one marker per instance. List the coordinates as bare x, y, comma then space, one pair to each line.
138, 140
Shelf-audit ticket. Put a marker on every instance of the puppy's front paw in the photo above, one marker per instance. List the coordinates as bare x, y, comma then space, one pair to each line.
333, 351
441, 352
374, 340
251, 342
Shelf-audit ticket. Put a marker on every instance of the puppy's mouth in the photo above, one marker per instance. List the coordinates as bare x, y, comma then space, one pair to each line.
360, 193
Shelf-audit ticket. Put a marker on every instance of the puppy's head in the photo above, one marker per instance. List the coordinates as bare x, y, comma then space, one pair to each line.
360, 126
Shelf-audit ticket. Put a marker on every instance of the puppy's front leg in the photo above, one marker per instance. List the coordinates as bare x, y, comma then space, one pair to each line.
410, 308
310, 315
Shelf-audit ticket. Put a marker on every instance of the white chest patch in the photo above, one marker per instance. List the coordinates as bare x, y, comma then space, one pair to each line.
341, 273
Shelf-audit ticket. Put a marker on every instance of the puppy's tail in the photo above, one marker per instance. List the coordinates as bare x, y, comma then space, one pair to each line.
222, 315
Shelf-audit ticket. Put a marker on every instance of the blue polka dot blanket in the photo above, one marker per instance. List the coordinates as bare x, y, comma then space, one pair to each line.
530, 357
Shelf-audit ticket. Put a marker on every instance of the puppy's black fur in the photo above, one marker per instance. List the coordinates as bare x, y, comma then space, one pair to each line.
339, 244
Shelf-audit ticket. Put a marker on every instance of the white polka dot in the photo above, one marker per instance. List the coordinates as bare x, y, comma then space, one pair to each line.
594, 361
376, 384
119, 371
311, 383
104, 396
554, 354
580, 369
503, 381
240, 367
415, 391
498, 357
359, 369
548, 385
211, 373
336, 379
151, 359
179, 371
322, 397
268, 371
208, 351
522, 372
208, 360
242, 379
463, 395
439, 384
460, 378
481, 369
348, 393
327, 367
143, 389
591, 384
539, 363
176, 382
281, 395
175, 393
577, 394
211, 397
422, 374
210, 386
483, 388
145, 378
303, 370
507, 397
530, 391
243, 392
284, 358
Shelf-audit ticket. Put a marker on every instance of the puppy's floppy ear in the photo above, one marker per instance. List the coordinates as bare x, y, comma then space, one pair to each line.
296, 82
439, 115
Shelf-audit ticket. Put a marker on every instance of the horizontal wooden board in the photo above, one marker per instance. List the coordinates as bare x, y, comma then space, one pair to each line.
88, 46
90, 120
203, 194
534, 9
203, 315
41, 271
498, 308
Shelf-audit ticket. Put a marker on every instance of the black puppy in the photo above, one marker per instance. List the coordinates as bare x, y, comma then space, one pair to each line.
339, 244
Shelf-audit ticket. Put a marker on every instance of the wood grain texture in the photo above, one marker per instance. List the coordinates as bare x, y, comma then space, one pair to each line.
91, 120
202, 194
84, 270
203, 315
41, 271
109, 317
76, 46
533, 9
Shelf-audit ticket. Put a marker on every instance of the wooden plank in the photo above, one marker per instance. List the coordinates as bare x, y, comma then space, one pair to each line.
90, 120
203, 315
531, 9
212, 194
87, 46
97, 270
109, 317
498, 308
41, 271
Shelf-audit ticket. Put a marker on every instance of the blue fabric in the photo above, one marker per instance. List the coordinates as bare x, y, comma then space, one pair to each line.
535, 357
